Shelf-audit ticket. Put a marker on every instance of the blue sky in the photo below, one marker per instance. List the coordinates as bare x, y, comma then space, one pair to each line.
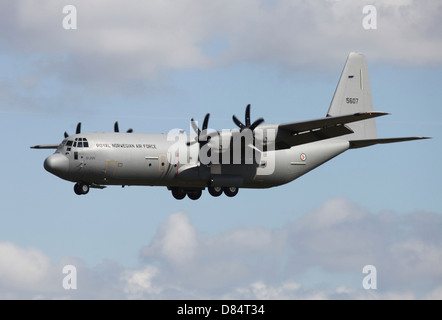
152, 66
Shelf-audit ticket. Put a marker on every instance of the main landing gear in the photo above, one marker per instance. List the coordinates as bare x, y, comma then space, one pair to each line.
81, 188
230, 191
215, 191
179, 193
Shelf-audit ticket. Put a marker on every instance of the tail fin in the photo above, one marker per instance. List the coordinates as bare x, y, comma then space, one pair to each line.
353, 95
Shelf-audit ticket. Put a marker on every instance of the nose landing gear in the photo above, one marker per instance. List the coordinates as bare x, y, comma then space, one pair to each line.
81, 188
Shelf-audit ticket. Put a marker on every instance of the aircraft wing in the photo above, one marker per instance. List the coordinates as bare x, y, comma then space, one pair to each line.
296, 133
45, 146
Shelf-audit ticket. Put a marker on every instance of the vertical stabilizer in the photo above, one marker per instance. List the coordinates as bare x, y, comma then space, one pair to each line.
353, 95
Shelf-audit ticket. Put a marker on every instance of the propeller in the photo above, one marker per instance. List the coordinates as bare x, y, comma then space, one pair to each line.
77, 130
243, 126
201, 134
117, 129
248, 126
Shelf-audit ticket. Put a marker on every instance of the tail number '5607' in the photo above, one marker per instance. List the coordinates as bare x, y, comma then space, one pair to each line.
352, 100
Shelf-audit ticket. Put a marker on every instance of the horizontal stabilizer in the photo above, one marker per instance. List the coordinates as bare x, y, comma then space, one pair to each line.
45, 146
296, 133
296, 127
369, 142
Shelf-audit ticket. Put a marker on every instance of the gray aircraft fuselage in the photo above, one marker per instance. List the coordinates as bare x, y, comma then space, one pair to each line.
147, 160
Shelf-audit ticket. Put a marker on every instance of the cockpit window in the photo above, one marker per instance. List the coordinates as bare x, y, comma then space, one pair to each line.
80, 143
69, 143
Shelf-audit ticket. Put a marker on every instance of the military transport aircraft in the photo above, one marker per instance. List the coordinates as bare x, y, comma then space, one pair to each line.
256, 155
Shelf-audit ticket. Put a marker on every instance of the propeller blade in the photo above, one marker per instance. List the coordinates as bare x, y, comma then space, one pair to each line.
203, 133
189, 143
248, 115
195, 126
256, 123
130, 130
66, 134
237, 122
116, 127
78, 128
206, 121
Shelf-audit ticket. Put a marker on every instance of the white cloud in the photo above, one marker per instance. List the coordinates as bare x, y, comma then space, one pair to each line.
194, 259
339, 238
261, 291
436, 294
22, 268
147, 39
131, 49
138, 283
319, 256
175, 241
416, 258
403, 247
332, 213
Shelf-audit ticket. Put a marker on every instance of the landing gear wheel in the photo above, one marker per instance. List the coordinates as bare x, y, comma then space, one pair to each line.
194, 195
230, 191
81, 188
84, 188
215, 191
77, 189
178, 193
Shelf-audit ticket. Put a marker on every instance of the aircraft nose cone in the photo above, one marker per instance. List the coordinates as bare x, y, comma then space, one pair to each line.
57, 164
